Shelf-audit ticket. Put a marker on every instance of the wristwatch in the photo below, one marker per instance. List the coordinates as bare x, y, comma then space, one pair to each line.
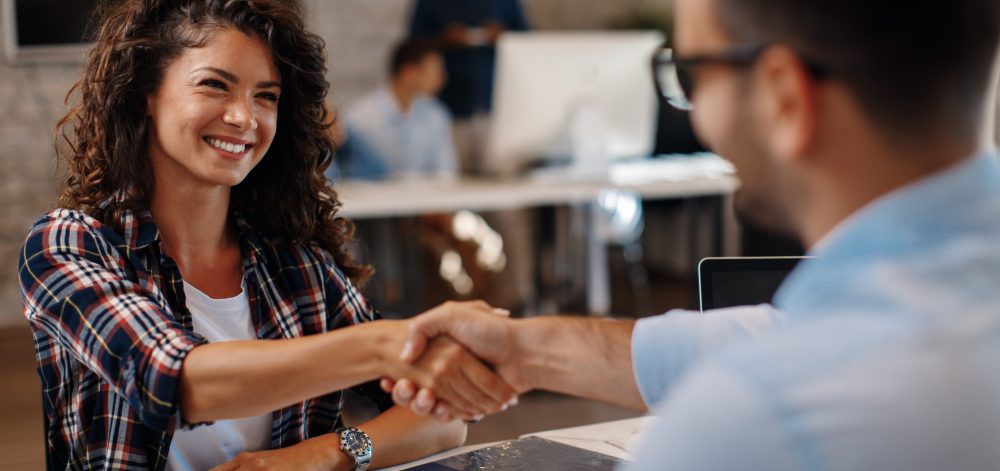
356, 444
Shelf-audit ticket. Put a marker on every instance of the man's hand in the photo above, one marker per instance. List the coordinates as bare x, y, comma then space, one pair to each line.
458, 378
466, 387
455, 36
480, 330
493, 31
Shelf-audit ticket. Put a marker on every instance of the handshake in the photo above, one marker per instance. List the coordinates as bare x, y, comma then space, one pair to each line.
464, 360
459, 360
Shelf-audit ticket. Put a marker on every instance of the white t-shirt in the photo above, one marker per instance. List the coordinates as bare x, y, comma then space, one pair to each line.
219, 320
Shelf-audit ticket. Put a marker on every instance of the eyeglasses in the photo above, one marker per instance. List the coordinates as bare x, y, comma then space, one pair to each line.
674, 76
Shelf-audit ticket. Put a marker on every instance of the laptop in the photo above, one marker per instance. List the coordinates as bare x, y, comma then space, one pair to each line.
741, 281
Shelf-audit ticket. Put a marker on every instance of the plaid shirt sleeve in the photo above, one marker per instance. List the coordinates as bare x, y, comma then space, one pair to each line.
79, 289
347, 306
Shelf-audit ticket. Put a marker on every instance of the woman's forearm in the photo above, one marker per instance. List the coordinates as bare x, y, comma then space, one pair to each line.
244, 378
398, 435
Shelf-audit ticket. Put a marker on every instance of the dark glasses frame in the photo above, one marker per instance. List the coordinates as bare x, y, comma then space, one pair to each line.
679, 95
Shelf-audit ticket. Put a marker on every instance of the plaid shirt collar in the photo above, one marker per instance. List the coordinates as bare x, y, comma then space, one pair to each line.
141, 233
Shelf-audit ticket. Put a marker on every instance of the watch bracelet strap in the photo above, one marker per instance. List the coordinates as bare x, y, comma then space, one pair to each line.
358, 464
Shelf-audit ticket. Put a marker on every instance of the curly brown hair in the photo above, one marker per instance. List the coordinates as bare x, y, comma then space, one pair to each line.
286, 197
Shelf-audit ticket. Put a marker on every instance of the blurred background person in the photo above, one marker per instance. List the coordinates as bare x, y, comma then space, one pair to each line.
400, 129
467, 33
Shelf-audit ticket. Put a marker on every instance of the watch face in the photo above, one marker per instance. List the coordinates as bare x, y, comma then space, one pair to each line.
355, 442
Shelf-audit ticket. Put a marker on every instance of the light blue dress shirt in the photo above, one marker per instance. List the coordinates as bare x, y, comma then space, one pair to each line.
883, 352
385, 142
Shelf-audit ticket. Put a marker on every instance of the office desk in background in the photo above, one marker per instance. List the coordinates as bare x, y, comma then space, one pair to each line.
660, 178
669, 177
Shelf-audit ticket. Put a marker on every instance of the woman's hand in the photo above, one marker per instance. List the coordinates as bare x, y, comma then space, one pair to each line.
316, 454
454, 375
446, 367
483, 338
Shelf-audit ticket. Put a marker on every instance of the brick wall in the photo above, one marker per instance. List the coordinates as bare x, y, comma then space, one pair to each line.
358, 35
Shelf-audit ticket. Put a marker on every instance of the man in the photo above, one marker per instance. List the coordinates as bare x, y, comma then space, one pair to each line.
467, 33
857, 125
400, 130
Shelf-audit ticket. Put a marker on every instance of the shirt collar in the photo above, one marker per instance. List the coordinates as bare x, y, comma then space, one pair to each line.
140, 232
138, 228
252, 245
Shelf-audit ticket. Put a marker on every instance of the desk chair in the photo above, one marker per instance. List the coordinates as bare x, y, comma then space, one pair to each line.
618, 220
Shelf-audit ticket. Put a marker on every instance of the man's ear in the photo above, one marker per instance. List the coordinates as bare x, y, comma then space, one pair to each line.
788, 103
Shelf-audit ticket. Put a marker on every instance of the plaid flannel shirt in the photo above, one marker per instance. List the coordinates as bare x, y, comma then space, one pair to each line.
111, 331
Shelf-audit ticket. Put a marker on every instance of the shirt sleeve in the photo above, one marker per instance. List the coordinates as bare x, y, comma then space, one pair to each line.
349, 307
665, 347
346, 305
715, 421
422, 23
76, 288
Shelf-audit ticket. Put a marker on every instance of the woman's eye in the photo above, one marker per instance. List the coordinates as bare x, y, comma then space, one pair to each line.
269, 97
213, 83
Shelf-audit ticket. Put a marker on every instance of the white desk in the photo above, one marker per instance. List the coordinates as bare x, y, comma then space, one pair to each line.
617, 438
662, 178
681, 177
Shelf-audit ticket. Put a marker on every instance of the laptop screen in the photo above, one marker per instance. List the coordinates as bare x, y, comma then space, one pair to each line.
741, 281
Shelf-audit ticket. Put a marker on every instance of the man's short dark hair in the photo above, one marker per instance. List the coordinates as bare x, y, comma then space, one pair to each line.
410, 51
912, 64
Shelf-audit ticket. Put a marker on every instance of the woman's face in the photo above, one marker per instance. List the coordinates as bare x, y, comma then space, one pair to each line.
215, 112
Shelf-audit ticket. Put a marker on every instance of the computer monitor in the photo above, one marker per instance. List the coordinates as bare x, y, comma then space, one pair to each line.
582, 98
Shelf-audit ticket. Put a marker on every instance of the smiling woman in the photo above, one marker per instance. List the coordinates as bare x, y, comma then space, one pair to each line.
192, 301
136, 44
210, 128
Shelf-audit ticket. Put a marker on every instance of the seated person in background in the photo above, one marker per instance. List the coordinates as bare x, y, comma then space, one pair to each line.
467, 33
400, 130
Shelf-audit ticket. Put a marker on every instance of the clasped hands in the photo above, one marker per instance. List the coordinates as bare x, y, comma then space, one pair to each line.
458, 363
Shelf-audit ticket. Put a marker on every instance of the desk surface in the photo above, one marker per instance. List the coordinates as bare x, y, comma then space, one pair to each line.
616, 438
671, 177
